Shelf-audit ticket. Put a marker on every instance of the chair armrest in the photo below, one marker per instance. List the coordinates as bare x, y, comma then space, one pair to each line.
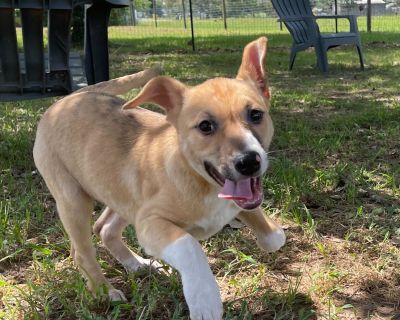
342, 16
352, 19
295, 19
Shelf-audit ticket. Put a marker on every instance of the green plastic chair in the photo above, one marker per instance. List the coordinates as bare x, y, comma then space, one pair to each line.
302, 24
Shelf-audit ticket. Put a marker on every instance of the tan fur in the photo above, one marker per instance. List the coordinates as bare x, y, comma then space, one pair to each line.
147, 167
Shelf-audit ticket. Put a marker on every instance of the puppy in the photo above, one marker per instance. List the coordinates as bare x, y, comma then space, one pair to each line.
176, 178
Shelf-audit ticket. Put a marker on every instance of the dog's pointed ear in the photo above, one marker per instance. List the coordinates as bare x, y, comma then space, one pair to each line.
164, 91
252, 67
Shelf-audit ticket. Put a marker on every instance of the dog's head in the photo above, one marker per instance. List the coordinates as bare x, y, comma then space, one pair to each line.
223, 125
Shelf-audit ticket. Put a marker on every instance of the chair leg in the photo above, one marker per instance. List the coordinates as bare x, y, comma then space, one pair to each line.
360, 55
291, 59
322, 58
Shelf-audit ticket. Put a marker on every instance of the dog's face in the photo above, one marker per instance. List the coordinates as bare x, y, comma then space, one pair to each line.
224, 131
223, 126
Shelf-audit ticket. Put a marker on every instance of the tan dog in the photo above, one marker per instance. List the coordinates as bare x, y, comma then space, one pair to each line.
176, 178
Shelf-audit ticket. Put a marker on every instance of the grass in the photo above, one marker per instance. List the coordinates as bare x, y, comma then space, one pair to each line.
210, 33
334, 184
236, 25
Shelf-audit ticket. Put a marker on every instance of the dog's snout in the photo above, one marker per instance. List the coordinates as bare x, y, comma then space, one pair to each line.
248, 163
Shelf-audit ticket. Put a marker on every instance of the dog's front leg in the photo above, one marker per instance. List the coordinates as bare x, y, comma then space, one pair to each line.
270, 236
199, 285
180, 250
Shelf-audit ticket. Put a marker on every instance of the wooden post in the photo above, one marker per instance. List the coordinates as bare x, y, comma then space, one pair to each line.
369, 14
184, 14
224, 14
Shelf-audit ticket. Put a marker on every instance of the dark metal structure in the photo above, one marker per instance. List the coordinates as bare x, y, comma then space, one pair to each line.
37, 72
302, 24
96, 38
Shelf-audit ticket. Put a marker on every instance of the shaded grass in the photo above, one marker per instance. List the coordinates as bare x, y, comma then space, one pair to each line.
333, 183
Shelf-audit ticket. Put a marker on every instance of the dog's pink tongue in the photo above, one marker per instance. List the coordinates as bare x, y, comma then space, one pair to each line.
240, 190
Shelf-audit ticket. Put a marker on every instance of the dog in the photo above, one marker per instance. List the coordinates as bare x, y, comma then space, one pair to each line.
177, 178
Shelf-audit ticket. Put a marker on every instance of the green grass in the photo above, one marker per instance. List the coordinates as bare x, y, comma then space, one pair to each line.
254, 25
334, 183
210, 33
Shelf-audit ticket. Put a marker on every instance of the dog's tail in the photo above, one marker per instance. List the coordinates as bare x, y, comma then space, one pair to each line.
123, 84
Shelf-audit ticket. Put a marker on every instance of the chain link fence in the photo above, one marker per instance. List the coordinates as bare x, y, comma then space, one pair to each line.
214, 21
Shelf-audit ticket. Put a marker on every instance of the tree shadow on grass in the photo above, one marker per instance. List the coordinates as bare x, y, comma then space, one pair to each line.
349, 157
376, 297
167, 43
352, 137
272, 305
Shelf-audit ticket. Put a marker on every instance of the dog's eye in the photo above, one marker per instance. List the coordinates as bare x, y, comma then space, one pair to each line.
207, 127
255, 116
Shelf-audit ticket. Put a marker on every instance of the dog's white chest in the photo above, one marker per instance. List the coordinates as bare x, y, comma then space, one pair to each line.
219, 213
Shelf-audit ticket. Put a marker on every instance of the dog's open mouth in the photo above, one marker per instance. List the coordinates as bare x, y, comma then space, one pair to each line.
247, 193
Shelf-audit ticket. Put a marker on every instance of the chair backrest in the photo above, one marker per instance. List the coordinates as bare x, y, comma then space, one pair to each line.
295, 9
30, 73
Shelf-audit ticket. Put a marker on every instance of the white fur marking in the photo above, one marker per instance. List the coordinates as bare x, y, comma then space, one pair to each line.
116, 295
219, 213
132, 264
273, 241
252, 144
136, 263
199, 285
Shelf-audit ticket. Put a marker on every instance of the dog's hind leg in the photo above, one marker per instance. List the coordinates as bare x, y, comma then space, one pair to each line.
109, 227
76, 217
75, 208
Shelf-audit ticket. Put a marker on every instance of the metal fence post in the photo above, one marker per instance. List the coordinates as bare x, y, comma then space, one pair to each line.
132, 11
336, 23
369, 14
155, 12
224, 14
191, 24
184, 14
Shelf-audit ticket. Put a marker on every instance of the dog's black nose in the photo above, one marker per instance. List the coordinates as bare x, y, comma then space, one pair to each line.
248, 163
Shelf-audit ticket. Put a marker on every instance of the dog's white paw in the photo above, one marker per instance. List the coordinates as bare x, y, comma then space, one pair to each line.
204, 302
199, 286
273, 241
116, 295
138, 263
236, 224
